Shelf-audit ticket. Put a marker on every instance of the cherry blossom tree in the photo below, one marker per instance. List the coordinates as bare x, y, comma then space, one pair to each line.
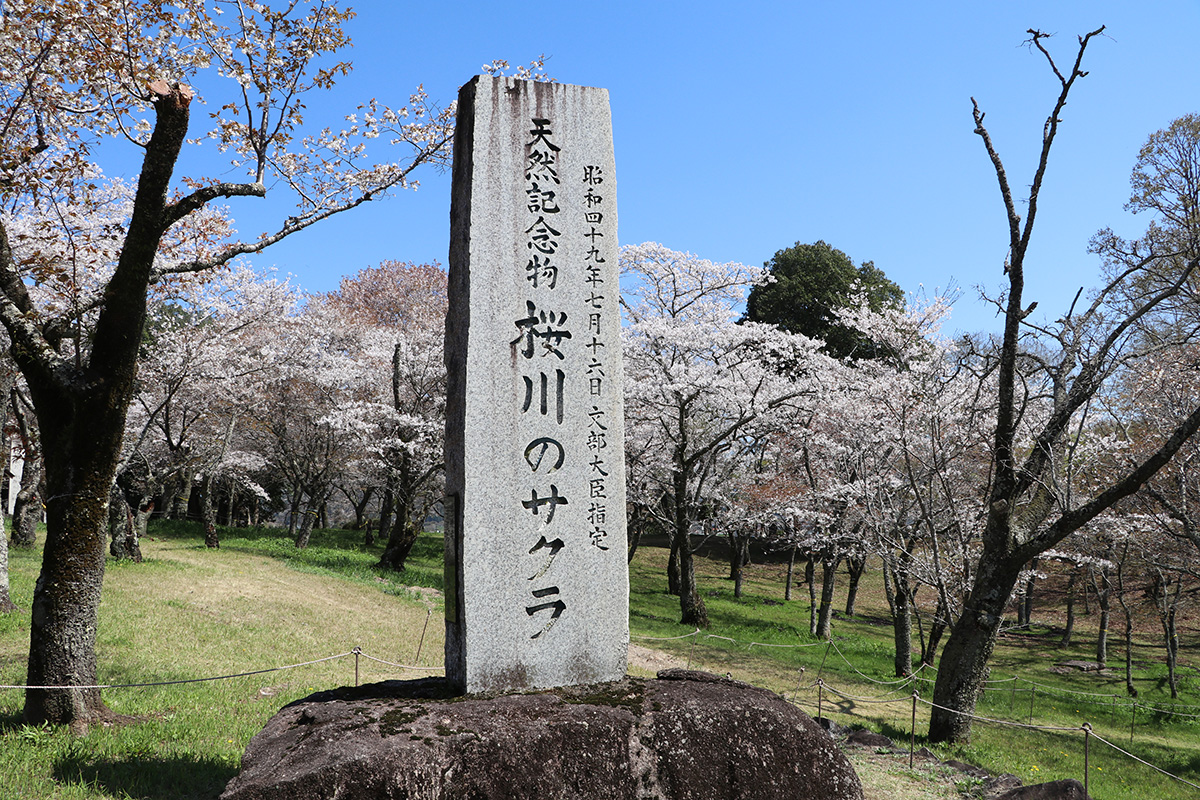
213, 345
696, 383
401, 309
76, 268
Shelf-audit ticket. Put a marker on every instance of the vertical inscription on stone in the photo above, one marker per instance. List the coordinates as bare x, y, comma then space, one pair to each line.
534, 444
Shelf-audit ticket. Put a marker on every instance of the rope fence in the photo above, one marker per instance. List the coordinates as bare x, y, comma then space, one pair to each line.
356, 652
995, 684
820, 684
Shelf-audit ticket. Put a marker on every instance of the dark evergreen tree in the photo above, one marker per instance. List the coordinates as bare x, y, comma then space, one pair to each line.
813, 281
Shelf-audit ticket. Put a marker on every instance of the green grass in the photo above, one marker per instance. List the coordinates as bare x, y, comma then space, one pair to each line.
258, 602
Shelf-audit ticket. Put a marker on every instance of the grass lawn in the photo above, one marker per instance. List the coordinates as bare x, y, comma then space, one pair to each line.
257, 603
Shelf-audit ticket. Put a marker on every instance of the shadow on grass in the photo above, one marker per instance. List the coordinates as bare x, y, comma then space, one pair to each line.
149, 778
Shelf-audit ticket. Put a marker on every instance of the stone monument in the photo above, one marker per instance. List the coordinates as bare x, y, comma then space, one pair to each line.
537, 587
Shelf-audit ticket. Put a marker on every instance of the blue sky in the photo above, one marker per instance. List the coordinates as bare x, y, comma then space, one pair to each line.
741, 129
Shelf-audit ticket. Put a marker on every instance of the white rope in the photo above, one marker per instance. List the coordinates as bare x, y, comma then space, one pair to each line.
186, 680
1142, 761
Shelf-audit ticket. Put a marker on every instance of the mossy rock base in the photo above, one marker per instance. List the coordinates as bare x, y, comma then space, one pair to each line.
683, 735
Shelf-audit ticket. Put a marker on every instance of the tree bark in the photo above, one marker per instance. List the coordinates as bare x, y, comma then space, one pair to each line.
691, 605
308, 518
403, 534
810, 578
739, 556
81, 413
899, 597
856, 565
673, 579
6, 603
207, 513
1103, 598
8, 377
963, 667
1070, 627
791, 571
828, 577
27, 509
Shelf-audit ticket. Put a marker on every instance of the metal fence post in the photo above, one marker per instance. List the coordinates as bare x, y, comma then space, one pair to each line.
912, 737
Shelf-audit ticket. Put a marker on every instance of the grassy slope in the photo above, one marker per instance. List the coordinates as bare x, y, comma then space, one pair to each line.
256, 603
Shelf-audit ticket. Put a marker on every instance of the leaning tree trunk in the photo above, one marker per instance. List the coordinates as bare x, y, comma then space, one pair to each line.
963, 667
941, 620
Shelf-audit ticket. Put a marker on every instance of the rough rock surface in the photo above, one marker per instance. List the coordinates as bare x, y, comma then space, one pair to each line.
685, 735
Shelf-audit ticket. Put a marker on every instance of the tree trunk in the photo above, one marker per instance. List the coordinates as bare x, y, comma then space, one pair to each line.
8, 376
791, 571
6, 603
207, 513
895, 583
1102, 600
963, 666
692, 608
941, 619
1070, 629
691, 605
828, 576
360, 506
739, 555
141, 518
295, 500
1128, 614
226, 504
402, 537
27, 509
183, 495
857, 566
810, 578
387, 511
633, 537
1025, 608
118, 524
1167, 615
304, 532
673, 580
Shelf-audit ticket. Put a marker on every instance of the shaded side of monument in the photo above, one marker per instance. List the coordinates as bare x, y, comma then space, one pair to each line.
537, 586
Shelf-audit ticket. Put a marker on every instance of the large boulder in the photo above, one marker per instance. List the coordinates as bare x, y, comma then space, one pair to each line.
685, 735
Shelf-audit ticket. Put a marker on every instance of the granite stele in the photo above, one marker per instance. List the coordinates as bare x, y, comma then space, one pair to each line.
537, 589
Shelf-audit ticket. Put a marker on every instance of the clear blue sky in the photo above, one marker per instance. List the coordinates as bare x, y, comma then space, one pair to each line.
743, 128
